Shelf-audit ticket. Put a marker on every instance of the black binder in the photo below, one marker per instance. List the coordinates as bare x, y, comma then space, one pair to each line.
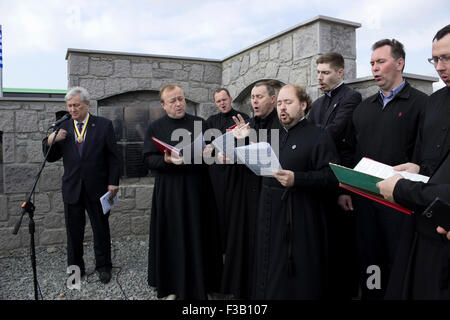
439, 213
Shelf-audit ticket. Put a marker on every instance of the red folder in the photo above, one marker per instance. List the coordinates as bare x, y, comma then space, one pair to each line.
164, 146
232, 127
375, 197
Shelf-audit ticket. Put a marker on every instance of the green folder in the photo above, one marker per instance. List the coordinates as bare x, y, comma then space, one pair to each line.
355, 178
363, 184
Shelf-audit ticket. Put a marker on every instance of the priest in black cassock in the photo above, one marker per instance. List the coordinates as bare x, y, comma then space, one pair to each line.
223, 176
184, 257
239, 265
291, 231
333, 111
422, 268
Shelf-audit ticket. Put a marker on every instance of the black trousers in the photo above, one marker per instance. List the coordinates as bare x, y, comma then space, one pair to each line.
75, 225
378, 231
343, 270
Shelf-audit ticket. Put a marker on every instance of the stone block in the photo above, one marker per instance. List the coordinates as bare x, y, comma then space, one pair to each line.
170, 66
264, 53
124, 205
57, 202
8, 241
51, 177
52, 236
305, 42
119, 224
205, 110
286, 49
162, 74
196, 73
339, 38
274, 50
42, 203
199, 94
213, 74
7, 121
14, 205
8, 148
235, 69
122, 68
78, 65
140, 225
73, 81
34, 151
19, 177
180, 75
3, 207
144, 83
128, 84
53, 221
271, 70
299, 76
112, 86
141, 70
144, 197
96, 87
254, 58
126, 192
350, 69
245, 64
100, 68
26, 121
226, 76
283, 74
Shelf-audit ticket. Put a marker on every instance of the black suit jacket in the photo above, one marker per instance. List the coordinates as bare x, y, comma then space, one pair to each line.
99, 165
337, 118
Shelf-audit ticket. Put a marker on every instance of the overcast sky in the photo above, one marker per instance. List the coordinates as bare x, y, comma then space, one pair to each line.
36, 34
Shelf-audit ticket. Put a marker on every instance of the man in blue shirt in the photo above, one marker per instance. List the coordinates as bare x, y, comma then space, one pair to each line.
386, 126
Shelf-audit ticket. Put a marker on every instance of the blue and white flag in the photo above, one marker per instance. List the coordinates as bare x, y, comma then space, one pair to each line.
1, 53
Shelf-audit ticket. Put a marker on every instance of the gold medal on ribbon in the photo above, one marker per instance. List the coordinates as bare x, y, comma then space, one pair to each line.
80, 136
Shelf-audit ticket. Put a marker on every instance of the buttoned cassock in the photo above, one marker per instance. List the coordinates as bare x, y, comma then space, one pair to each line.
291, 228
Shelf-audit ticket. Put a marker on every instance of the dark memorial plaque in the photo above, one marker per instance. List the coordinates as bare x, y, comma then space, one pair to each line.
135, 166
136, 122
156, 113
115, 114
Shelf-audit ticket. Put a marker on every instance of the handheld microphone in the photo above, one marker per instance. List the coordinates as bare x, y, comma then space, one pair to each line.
67, 116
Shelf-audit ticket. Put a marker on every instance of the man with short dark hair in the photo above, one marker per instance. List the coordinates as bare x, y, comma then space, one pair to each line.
422, 267
386, 126
333, 112
91, 168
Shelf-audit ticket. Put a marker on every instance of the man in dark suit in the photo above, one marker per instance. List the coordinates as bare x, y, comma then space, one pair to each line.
91, 168
333, 112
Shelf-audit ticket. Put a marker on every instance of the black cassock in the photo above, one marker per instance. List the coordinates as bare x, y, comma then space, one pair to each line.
223, 176
291, 231
422, 266
243, 190
184, 254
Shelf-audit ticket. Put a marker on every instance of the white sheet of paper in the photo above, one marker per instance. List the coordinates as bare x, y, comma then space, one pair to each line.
225, 144
385, 171
108, 203
259, 157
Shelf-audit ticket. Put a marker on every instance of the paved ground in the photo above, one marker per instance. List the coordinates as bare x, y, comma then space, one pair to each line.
129, 274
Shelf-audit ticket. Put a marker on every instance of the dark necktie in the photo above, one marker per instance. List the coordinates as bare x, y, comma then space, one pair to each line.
80, 145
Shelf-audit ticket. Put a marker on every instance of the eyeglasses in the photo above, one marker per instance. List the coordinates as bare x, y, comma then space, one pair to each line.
444, 59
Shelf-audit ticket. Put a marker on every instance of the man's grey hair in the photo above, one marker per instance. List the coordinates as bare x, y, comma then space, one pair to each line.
78, 91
